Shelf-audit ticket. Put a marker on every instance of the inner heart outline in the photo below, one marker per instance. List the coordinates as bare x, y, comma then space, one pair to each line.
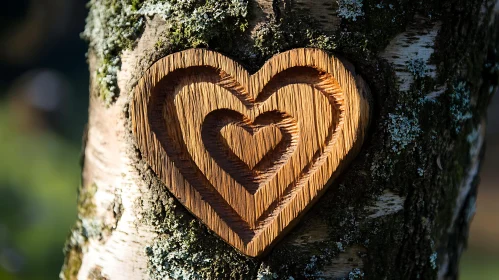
244, 140
350, 94
267, 166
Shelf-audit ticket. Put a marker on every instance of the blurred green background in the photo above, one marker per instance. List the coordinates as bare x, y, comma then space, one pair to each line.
43, 109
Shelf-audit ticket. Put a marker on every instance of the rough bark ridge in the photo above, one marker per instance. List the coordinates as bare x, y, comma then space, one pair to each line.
403, 208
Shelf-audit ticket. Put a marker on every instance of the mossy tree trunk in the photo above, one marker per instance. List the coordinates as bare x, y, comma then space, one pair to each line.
400, 211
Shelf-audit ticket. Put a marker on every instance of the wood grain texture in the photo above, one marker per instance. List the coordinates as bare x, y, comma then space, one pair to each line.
249, 154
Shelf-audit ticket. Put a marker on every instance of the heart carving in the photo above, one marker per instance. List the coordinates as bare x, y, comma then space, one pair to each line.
249, 154
246, 152
249, 142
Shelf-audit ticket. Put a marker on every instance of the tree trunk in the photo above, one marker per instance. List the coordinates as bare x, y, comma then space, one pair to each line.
402, 208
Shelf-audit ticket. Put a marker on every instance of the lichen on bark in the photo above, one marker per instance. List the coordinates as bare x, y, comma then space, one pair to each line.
80, 233
112, 26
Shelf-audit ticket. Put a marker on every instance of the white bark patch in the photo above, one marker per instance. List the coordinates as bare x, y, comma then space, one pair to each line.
410, 51
315, 233
122, 252
261, 9
265, 6
476, 140
432, 96
443, 267
324, 11
386, 204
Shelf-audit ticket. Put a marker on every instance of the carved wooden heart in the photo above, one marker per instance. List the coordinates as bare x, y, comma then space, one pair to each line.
248, 154
249, 144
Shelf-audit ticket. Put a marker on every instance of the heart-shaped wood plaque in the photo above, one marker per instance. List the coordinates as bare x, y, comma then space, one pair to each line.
249, 154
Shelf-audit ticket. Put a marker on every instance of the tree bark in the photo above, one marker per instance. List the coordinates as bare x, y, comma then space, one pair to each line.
400, 211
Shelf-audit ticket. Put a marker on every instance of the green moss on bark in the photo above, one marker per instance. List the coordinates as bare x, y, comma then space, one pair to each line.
294, 30
114, 26
72, 264
73, 251
86, 205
